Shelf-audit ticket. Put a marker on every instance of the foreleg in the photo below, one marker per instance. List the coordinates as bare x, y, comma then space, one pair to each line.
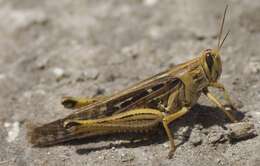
213, 99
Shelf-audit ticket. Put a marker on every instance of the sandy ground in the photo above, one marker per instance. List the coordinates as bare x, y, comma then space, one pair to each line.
51, 49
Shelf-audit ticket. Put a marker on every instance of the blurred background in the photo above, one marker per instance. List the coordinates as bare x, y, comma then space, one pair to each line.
51, 49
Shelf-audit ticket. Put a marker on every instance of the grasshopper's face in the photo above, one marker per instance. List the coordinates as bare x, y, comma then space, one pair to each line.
211, 64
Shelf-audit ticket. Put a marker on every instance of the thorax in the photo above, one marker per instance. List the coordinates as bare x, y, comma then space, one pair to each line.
194, 81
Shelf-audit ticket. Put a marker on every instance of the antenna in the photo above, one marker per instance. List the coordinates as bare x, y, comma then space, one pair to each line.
223, 40
221, 29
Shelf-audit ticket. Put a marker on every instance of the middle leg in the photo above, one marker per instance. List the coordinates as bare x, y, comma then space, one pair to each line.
166, 121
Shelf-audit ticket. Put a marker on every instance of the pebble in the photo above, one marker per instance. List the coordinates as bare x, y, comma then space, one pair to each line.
150, 2
13, 130
195, 138
131, 51
253, 67
6, 124
41, 63
59, 73
255, 114
242, 130
88, 74
166, 145
40, 92
183, 131
126, 157
113, 148
216, 137
100, 91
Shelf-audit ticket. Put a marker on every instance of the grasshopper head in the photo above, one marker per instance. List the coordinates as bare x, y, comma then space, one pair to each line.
210, 58
211, 64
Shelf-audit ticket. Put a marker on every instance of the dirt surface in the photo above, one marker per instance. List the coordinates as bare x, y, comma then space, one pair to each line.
51, 49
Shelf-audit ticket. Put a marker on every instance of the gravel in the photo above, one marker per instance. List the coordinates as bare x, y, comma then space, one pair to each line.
50, 49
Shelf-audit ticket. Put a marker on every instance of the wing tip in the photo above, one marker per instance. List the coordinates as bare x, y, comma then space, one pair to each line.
41, 135
32, 134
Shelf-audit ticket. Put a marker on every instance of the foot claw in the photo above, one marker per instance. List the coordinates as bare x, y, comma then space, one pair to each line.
170, 154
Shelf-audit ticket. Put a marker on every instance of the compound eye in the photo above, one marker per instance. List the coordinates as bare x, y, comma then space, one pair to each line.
209, 60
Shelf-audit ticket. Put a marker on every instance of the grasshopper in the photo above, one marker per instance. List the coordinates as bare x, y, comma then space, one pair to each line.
160, 99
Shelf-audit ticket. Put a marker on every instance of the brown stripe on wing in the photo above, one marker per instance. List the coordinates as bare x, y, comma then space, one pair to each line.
138, 98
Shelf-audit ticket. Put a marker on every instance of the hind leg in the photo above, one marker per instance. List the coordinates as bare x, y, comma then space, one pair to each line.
122, 122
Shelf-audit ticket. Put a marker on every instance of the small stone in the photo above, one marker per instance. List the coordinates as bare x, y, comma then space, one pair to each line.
242, 130
131, 51
253, 67
41, 64
100, 91
198, 126
216, 137
13, 131
150, 2
88, 74
40, 92
6, 124
59, 73
101, 157
126, 157
27, 94
255, 114
195, 138
183, 131
218, 160
166, 145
